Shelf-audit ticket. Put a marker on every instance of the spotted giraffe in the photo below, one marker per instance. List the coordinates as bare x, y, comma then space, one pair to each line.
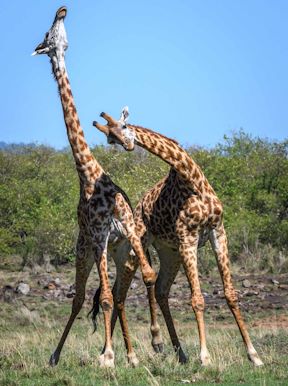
101, 203
178, 215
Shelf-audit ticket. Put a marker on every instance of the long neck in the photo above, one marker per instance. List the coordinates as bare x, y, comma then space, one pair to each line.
169, 151
87, 166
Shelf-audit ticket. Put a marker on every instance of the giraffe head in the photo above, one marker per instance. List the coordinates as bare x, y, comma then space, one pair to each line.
55, 42
118, 131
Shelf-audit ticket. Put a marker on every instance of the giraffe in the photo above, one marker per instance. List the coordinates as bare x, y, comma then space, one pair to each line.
178, 215
103, 207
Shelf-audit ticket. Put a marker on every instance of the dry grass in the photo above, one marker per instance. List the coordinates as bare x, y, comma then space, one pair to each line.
28, 338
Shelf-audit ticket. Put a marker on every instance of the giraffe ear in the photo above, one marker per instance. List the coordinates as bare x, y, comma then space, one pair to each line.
124, 115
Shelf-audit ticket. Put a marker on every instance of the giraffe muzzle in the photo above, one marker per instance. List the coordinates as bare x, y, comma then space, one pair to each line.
61, 13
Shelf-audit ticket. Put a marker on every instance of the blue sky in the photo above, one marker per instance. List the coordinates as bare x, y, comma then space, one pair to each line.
192, 70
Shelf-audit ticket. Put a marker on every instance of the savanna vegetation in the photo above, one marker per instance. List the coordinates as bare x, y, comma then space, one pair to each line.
24, 354
38, 199
39, 193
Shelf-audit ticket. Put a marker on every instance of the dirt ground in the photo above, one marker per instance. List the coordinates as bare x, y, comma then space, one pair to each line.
263, 298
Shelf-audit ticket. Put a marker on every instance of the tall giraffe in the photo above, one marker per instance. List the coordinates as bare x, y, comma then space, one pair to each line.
178, 215
101, 203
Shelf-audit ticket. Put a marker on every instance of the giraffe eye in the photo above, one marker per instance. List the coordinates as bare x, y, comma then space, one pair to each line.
124, 127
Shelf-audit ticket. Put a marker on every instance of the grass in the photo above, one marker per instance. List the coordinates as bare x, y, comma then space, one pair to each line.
29, 336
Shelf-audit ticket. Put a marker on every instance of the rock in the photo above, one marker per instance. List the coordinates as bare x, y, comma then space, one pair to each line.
133, 285
51, 285
72, 291
57, 293
57, 282
8, 294
246, 283
275, 282
283, 286
23, 288
251, 293
138, 276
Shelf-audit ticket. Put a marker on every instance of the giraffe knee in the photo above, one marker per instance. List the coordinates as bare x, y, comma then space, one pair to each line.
198, 303
78, 302
106, 301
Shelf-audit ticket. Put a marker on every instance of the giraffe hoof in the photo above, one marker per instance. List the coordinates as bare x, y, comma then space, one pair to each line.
54, 359
205, 361
182, 357
158, 347
254, 358
107, 359
133, 360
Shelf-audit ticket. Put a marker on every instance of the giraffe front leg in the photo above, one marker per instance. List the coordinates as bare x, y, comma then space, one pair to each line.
219, 244
125, 273
125, 215
149, 275
84, 263
106, 359
188, 251
157, 341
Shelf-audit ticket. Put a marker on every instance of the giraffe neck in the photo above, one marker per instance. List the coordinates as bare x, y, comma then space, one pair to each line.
169, 151
87, 166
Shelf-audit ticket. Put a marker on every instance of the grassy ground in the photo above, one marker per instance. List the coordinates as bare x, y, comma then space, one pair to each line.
30, 327
28, 337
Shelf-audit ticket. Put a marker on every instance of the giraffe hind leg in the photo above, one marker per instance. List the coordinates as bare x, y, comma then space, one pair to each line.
219, 244
125, 274
99, 247
188, 252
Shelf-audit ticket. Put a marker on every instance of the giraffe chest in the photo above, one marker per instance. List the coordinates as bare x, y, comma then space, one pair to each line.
96, 208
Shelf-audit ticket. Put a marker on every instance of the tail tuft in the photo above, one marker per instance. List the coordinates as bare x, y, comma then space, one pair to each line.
95, 308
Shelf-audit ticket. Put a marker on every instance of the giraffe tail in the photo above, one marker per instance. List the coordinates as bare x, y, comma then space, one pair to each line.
95, 308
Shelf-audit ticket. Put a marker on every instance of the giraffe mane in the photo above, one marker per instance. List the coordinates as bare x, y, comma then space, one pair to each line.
154, 133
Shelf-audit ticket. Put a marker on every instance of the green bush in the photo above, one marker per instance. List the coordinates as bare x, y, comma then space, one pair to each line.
39, 191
